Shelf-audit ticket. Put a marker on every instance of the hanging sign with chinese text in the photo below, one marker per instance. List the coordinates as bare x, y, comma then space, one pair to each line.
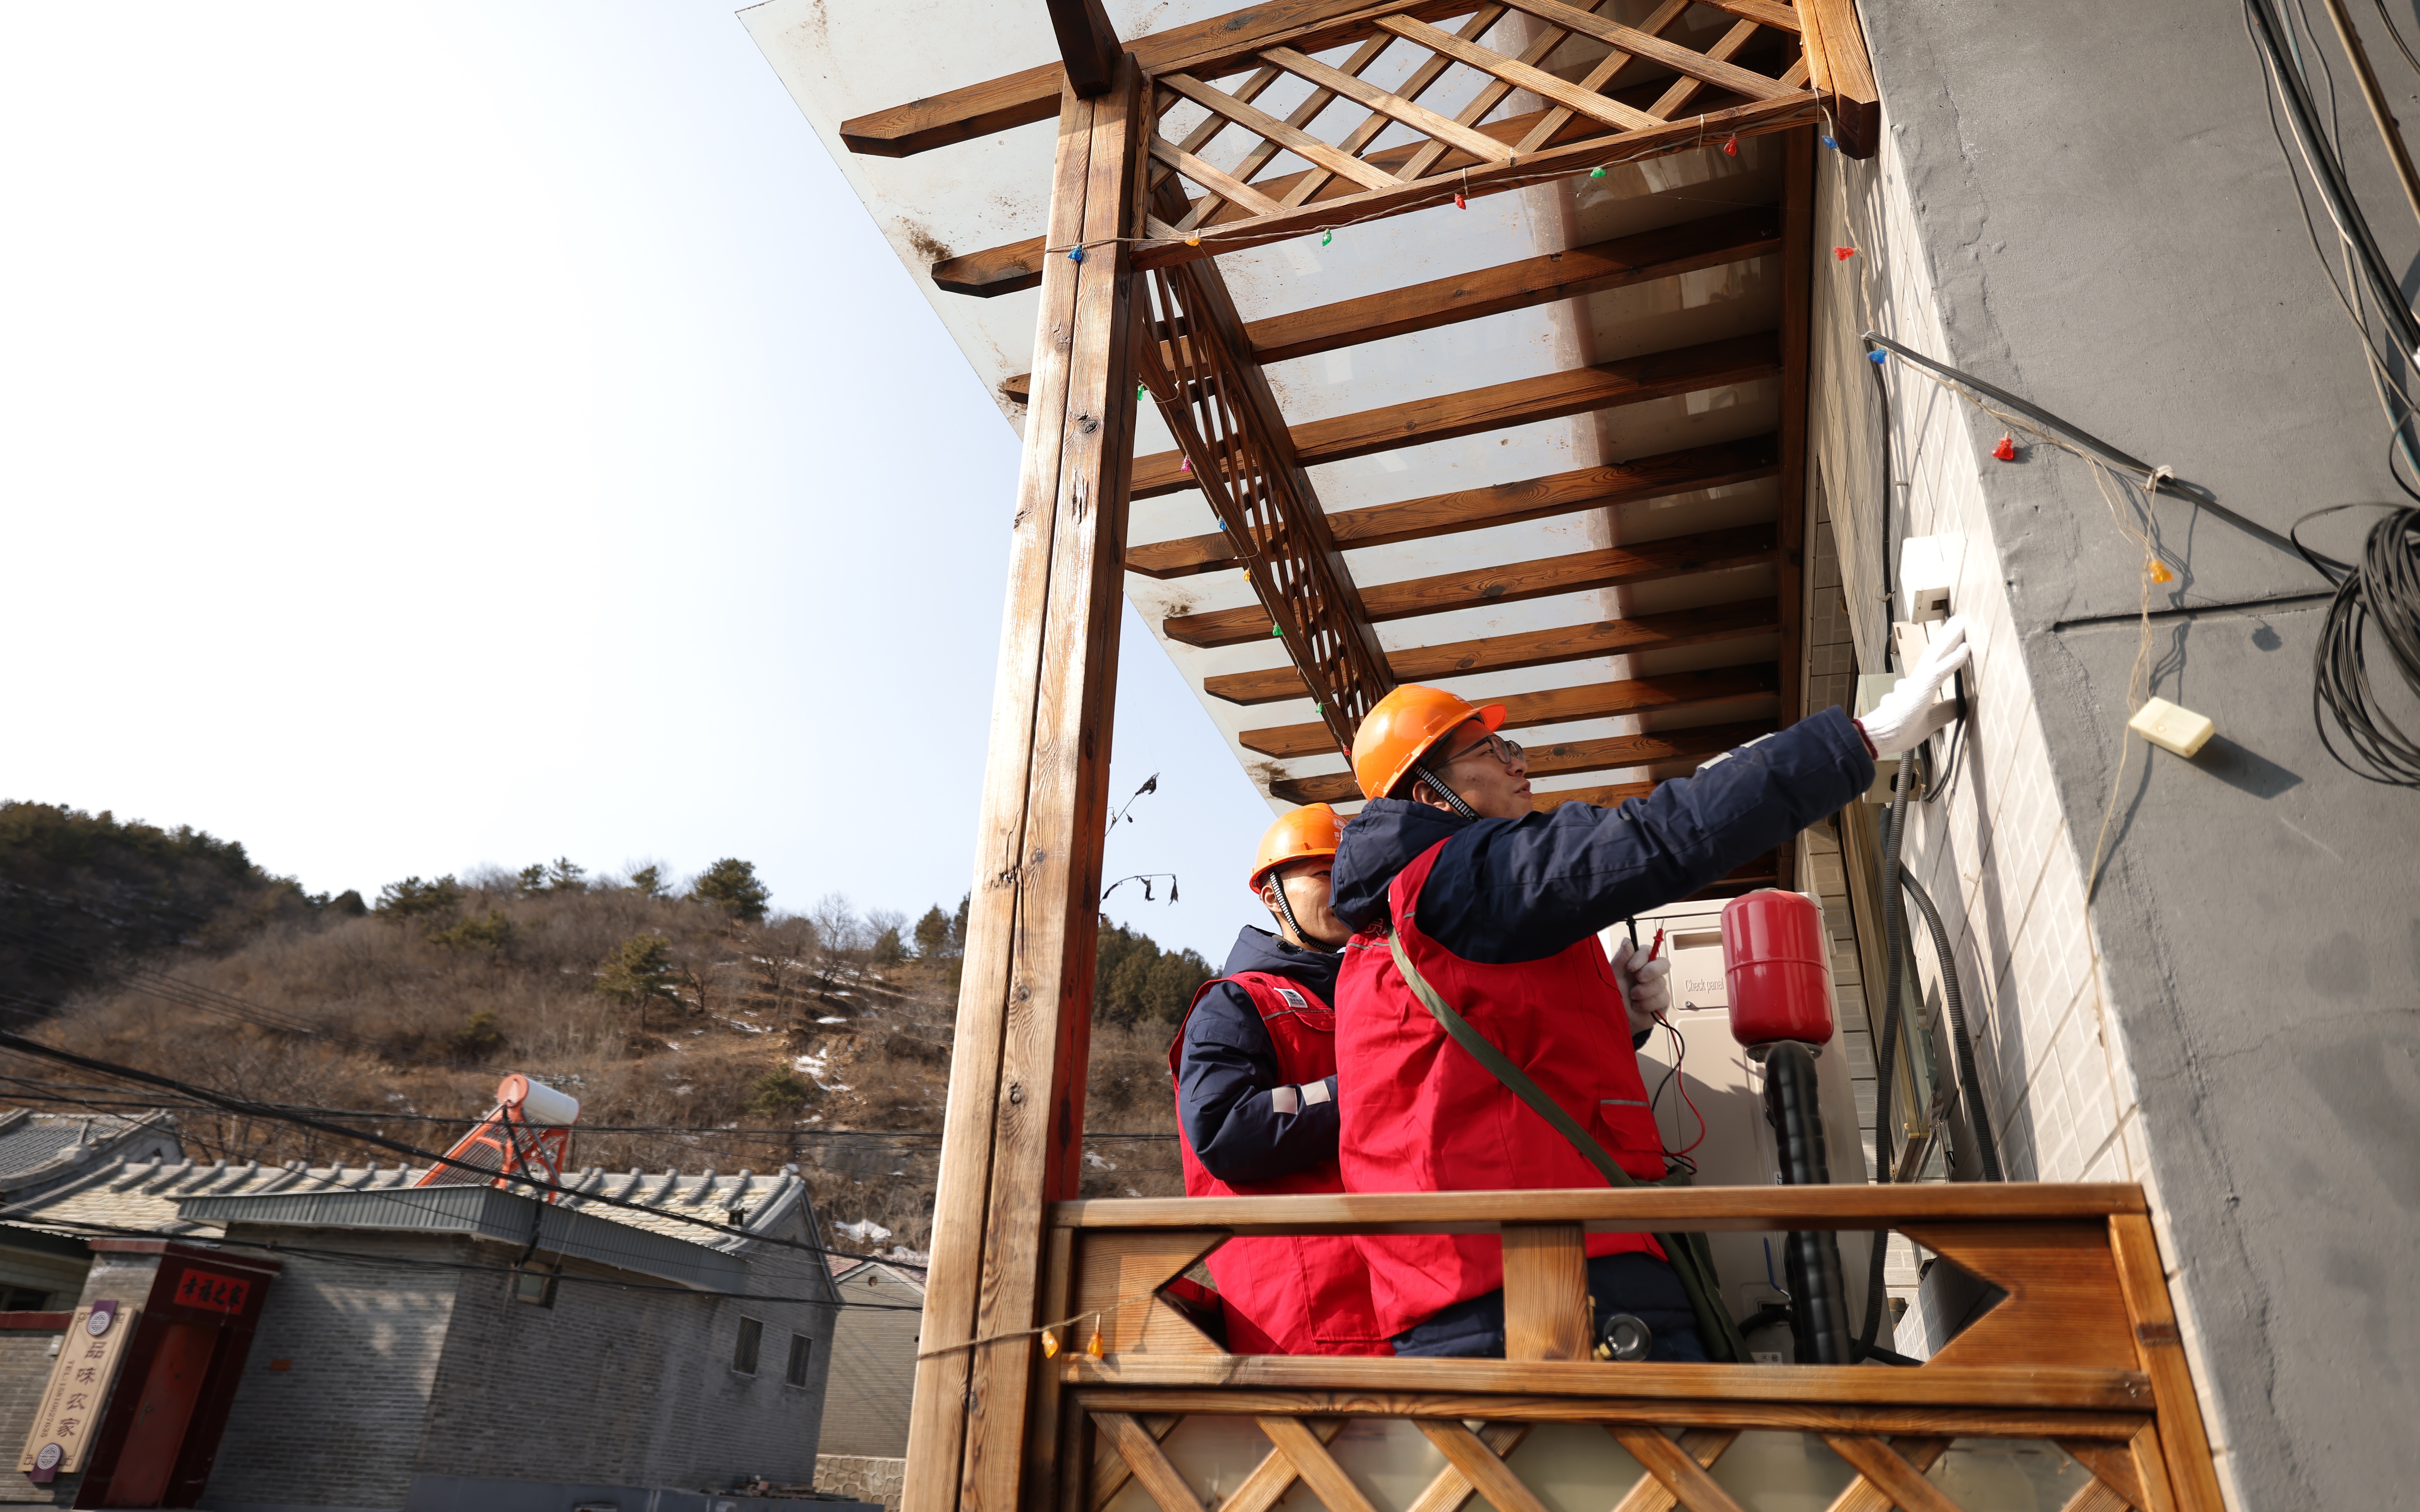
212, 1292
79, 1388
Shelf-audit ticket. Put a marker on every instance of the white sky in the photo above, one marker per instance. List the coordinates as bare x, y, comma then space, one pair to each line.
456, 433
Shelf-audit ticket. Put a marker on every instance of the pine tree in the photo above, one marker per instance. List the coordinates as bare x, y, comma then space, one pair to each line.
933, 934
639, 971
648, 882
731, 884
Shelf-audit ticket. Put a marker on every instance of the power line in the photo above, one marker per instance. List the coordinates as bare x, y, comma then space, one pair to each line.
34, 1088
229, 1103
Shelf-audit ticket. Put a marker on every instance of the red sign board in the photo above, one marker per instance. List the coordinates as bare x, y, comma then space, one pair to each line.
212, 1292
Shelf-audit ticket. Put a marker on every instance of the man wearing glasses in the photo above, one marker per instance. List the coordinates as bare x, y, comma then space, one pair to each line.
1497, 906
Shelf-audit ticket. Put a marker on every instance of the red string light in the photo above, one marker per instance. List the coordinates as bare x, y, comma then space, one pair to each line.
1843, 254
2007, 449
1460, 203
1730, 148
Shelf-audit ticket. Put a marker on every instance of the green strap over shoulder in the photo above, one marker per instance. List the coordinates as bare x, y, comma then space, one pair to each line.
1689, 1256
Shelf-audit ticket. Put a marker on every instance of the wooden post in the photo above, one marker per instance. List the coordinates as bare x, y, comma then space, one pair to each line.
1013, 1135
1797, 311
1545, 1292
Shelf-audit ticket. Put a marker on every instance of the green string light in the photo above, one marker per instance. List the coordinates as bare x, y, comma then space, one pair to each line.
1329, 238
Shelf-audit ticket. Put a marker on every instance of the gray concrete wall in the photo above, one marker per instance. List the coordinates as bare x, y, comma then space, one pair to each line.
2104, 223
873, 1366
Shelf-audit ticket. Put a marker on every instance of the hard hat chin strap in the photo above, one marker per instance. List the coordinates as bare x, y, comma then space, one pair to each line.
1301, 937
1452, 799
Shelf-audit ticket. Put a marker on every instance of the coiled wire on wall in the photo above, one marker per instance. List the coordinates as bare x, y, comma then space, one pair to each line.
2382, 587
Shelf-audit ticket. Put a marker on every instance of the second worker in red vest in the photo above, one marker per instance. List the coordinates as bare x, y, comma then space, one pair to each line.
1256, 1100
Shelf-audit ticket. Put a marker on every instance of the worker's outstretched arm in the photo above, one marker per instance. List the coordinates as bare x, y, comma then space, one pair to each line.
1244, 1123
1505, 890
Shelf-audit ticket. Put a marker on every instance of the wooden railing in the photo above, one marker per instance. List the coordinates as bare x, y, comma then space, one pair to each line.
2082, 1354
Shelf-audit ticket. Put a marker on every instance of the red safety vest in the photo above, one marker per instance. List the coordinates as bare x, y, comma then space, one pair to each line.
1292, 1294
1425, 1117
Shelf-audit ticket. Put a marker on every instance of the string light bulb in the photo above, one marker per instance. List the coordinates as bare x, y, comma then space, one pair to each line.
1730, 148
1185, 464
1878, 357
1193, 238
1596, 173
1075, 255
1832, 142
2007, 449
1460, 203
1843, 254
1049, 1345
1142, 391
1277, 630
1327, 238
2160, 573
1093, 1344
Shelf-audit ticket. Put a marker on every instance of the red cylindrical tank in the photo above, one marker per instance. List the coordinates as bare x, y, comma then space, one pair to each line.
1773, 959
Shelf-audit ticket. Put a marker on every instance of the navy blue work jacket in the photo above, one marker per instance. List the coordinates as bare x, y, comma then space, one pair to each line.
1507, 890
1229, 1067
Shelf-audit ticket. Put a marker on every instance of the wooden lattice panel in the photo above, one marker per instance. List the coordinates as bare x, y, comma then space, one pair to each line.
2111, 1466
1372, 152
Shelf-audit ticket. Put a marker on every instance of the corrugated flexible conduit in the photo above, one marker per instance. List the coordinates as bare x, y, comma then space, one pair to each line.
1970, 1085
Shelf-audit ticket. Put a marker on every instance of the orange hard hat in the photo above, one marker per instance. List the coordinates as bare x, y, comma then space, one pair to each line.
1309, 830
1404, 725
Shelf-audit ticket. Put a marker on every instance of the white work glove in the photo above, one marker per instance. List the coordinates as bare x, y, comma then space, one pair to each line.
1645, 990
1912, 711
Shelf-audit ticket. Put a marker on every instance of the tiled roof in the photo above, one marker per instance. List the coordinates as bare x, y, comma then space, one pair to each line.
144, 1195
30, 1141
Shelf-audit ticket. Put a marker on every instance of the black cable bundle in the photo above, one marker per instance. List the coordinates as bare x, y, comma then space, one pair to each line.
2383, 586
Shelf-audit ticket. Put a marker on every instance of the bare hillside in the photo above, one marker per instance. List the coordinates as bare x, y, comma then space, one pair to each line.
697, 1031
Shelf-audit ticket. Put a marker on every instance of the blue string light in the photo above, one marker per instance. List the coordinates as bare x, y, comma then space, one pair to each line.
1832, 143
1878, 357
1075, 255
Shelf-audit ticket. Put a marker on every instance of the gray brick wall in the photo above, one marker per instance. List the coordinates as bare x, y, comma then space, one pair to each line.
402, 1371
616, 1384
868, 1478
342, 1427
24, 1370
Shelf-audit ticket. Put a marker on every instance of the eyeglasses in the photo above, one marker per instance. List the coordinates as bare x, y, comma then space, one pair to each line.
1508, 752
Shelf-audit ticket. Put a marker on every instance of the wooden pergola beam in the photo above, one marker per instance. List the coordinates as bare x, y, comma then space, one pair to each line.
1608, 486
1611, 566
1549, 396
1526, 648
982, 1426
1017, 264
1088, 46
1611, 753
1032, 94
1620, 263
1660, 693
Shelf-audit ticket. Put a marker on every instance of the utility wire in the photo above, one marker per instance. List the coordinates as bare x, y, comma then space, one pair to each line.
224, 1102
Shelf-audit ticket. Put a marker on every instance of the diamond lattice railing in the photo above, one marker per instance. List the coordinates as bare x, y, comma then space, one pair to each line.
1689, 74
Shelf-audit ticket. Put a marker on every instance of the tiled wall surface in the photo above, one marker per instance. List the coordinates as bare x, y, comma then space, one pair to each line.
1995, 853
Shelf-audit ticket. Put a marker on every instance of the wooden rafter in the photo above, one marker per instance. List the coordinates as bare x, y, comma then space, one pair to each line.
1611, 753
1526, 648
1620, 263
1564, 705
1017, 266
1549, 396
1612, 566
1607, 487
